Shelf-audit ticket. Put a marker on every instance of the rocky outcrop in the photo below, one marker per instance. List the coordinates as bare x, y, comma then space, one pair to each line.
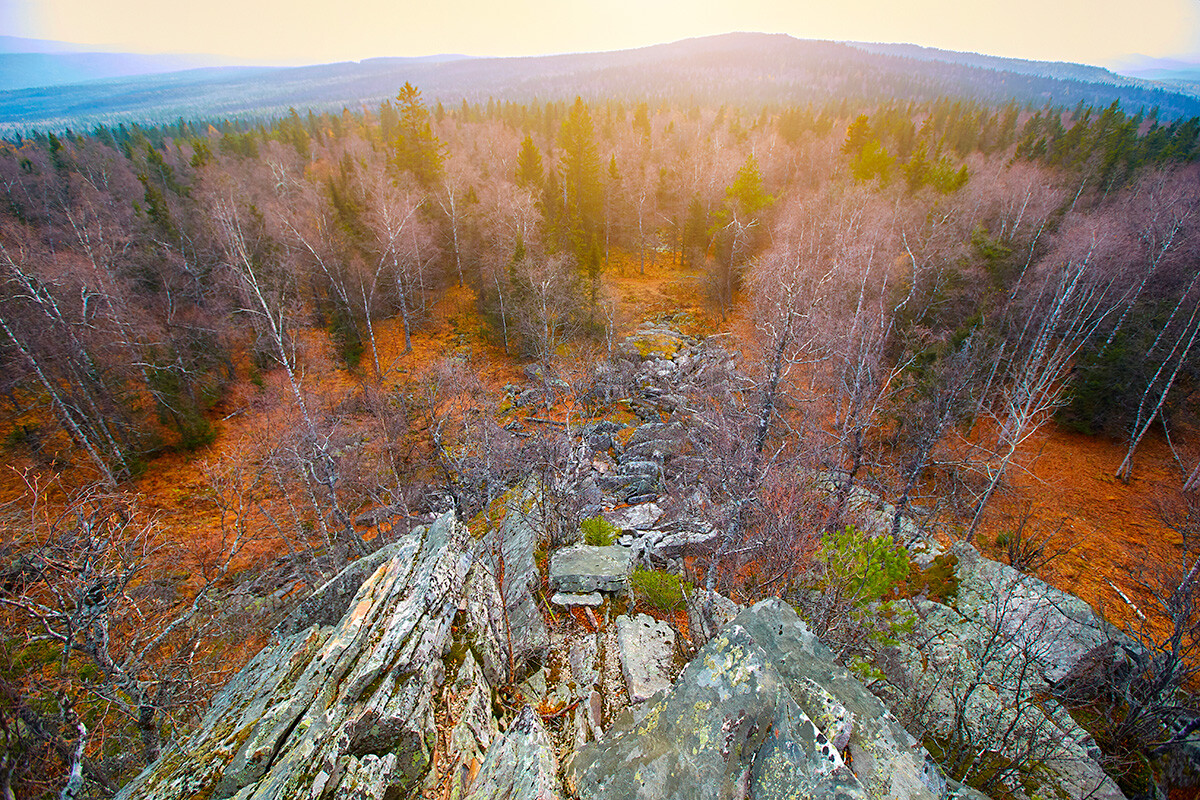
521, 765
502, 612
729, 728
979, 679
647, 650
342, 711
742, 721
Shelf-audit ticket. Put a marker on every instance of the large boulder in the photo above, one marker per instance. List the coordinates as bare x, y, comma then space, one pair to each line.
1055, 627
887, 760
342, 711
979, 681
754, 715
728, 728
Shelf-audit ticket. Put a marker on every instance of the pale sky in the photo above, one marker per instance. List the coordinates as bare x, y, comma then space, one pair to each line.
303, 31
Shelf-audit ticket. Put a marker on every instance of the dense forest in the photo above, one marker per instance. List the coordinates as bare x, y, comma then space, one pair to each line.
911, 290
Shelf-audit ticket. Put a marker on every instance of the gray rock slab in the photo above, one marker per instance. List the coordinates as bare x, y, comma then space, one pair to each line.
1057, 627
888, 761
635, 518
647, 651
346, 709
728, 728
582, 568
508, 613
521, 764
592, 599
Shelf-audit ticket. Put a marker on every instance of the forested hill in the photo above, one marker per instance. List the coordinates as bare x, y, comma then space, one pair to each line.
741, 68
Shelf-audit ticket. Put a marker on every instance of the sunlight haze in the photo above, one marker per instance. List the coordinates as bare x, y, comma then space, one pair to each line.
281, 31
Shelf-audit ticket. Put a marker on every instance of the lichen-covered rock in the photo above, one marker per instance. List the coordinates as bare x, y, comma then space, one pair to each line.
708, 613
329, 602
887, 760
728, 728
337, 712
1056, 627
647, 650
974, 680
582, 569
521, 764
502, 612
470, 709
634, 518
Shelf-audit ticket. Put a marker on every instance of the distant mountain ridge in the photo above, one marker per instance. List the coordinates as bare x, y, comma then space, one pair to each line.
1021, 66
33, 63
738, 68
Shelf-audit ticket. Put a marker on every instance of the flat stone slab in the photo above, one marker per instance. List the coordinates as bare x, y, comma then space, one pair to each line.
571, 599
647, 648
634, 518
582, 568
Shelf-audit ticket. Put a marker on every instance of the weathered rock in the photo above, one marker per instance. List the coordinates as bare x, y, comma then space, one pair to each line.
506, 617
887, 760
582, 568
708, 613
329, 602
647, 650
348, 709
653, 450
638, 468
634, 518
973, 677
470, 707
592, 599
1056, 627
520, 765
683, 539
652, 431
728, 728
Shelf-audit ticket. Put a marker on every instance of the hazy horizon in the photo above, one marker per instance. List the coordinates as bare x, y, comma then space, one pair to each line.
278, 32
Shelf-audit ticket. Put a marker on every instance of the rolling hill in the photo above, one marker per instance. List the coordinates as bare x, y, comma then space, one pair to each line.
739, 68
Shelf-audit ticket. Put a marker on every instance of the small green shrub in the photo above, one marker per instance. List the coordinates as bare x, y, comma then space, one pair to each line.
599, 532
862, 567
659, 589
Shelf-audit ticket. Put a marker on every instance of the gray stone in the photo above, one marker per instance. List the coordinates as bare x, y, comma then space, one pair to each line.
474, 728
346, 709
1058, 628
592, 599
520, 765
582, 659
329, 602
653, 450
634, 518
647, 651
683, 540
708, 613
887, 760
651, 431
508, 614
728, 728
976, 670
638, 468
582, 568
